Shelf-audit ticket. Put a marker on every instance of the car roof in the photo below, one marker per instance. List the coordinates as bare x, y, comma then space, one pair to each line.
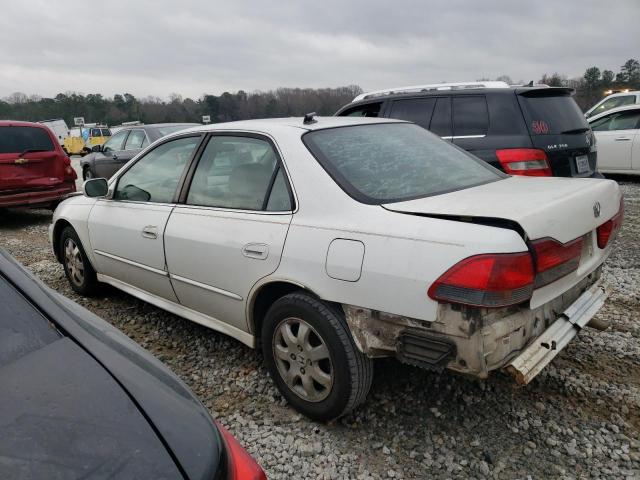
635, 106
269, 124
154, 125
518, 90
21, 123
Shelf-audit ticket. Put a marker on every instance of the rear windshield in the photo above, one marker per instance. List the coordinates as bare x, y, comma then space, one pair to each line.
19, 139
553, 115
385, 163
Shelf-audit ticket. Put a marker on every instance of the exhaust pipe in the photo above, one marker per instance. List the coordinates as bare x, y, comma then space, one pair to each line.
599, 324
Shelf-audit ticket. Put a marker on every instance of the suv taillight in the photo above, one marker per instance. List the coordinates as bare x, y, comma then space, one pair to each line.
611, 227
530, 162
69, 172
240, 465
489, 280
554, 260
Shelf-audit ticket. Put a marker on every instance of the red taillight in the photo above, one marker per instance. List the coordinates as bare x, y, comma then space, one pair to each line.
491, 280
524, 161
69, 172
240, 465
555, 260
610, 228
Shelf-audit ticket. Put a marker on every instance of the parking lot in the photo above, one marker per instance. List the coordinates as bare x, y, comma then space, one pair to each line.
580, 418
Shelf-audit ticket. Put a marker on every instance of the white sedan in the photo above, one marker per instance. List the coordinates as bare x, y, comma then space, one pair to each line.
617, 134
329, 242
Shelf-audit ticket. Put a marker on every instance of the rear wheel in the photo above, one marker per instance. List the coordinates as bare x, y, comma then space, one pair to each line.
312, 358
79, 272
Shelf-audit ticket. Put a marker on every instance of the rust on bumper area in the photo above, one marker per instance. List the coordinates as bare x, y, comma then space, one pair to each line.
476, 341
538, 355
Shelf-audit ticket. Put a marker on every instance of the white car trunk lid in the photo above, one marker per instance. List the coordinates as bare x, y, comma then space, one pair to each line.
560, 208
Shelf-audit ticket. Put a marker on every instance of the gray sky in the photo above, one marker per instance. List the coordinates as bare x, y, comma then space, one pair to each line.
158, 47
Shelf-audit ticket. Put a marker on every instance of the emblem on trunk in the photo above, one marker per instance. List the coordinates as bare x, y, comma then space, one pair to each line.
21, 161
596, 209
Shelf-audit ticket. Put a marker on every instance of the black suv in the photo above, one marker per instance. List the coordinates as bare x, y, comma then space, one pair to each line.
537, 131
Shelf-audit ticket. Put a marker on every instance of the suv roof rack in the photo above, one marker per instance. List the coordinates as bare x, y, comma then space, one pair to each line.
432, 86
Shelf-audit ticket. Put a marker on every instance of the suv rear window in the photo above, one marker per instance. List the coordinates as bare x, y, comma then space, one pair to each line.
553, 115
392, 162
19, 139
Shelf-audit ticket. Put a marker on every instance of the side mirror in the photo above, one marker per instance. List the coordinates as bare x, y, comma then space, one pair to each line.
96, 148
95, 187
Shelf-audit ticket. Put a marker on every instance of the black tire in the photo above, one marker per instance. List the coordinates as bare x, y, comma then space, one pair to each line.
87, 284
351, 380
87, 174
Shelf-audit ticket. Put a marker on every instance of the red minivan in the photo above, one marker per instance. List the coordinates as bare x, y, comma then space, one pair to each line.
34, 170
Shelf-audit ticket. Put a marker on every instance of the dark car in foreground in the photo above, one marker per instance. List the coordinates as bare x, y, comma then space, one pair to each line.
106, 159
34, 170
79, 399
535, 131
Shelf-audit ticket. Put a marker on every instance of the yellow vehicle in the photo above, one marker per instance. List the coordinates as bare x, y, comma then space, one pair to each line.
83, 139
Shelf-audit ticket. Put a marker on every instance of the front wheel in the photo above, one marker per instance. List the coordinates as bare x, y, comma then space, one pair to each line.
87, 174
312, 358
79, 272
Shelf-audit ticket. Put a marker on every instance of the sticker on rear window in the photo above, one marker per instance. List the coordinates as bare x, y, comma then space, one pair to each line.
539, 127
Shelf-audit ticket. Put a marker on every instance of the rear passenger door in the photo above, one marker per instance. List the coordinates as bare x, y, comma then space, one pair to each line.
470, 121
615, 134
441, 121
230, 228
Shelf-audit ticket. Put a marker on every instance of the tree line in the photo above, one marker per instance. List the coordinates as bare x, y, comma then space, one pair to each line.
282, 102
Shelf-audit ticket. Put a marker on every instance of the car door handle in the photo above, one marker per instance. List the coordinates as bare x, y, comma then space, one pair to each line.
259, 251
150, 231
622, 139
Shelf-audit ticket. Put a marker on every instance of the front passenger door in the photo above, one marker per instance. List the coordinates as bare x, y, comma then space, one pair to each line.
108, 157
126, 231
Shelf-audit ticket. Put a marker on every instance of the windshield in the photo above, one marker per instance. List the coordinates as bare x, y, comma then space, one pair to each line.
553, 115
383, 163
19, 139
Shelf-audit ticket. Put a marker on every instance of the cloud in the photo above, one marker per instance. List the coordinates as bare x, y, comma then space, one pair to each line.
193, 47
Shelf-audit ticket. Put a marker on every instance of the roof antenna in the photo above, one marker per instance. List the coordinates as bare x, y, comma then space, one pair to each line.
530, 84
308, 118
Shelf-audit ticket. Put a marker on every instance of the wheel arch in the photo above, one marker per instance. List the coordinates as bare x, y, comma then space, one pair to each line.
264, 295
59, 226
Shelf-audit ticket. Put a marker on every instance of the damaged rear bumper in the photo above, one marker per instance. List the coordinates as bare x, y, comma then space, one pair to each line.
543, 349
476, 341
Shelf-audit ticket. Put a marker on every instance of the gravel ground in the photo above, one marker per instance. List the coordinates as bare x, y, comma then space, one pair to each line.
580, 418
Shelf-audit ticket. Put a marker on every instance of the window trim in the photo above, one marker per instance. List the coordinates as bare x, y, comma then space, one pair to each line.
114, 186
190, 172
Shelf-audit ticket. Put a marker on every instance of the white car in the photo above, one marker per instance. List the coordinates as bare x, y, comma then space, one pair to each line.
617, 134
615, 100
332, 241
